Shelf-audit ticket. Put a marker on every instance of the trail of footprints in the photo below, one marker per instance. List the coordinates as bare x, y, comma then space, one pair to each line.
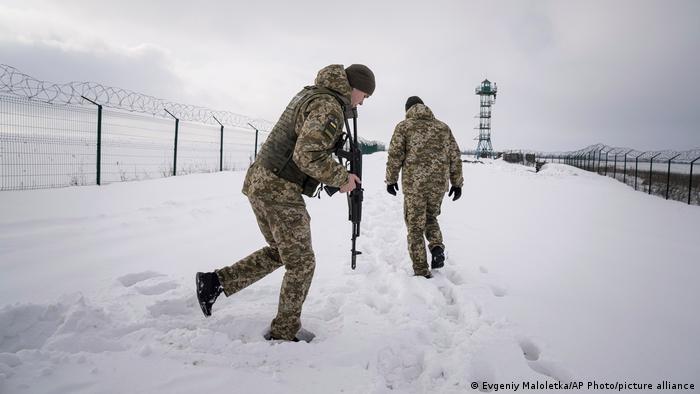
447, 281
454, 309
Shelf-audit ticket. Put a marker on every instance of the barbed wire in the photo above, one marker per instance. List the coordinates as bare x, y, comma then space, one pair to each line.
678, 156
16, 83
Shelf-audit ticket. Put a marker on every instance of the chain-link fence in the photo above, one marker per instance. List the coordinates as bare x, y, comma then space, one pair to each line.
85, 134
668, 174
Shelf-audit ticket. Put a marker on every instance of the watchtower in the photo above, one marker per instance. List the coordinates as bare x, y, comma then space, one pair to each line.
487, 97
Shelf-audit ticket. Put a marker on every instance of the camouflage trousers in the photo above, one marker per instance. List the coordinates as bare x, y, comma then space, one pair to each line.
421, 212
286, 229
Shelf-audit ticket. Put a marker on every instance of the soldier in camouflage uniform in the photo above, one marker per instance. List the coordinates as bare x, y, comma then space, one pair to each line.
427, 153
295, 158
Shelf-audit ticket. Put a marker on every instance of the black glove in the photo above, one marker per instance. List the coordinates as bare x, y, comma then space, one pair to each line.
392, 188
457, 191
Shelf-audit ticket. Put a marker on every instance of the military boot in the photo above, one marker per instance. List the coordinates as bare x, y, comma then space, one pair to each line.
302, 335
208, 289
438, 257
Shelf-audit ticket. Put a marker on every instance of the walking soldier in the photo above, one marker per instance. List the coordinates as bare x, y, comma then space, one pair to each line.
425, 151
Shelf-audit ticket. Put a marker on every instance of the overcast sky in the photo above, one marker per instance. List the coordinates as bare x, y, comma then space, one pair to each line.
570, 73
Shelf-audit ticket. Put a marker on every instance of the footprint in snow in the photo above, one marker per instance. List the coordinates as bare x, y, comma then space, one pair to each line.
478, 309
158, 288
174, 307
400, 366
382, 288
551, 369
129, 280
481, 372
329, 308
449, 295
530, 350
454, 277
498, 291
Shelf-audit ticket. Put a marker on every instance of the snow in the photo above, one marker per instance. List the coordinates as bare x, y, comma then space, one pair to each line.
559, 275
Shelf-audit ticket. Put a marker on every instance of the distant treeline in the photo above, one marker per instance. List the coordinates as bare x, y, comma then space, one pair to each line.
368, 147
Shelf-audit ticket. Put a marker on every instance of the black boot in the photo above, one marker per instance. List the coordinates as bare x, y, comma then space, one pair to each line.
301, 335
438, 257
208, 289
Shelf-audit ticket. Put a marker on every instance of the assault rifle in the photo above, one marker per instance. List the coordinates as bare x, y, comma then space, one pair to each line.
352, 158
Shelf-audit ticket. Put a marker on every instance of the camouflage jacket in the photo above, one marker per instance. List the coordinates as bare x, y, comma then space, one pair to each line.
313, 146
426, 151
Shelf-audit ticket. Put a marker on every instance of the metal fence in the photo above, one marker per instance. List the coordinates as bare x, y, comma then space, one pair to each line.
51, 137
668, 174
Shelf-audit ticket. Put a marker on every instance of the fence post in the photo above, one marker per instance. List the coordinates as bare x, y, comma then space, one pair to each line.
636, 166
177, 124
588, 161
255, 154
606, 163
651, 167
600, 153
624, 174
221, 145
668, 174
99, 140
690, 179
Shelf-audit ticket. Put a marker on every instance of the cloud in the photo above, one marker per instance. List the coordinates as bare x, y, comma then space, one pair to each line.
569, 73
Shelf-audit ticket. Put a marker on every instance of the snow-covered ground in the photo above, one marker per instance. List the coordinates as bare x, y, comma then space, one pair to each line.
561, 275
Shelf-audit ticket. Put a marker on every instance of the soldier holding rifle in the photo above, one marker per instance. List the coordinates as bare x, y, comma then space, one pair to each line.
294, 160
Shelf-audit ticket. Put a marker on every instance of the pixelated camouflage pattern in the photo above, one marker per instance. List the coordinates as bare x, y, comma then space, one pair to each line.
420, 213
318, 128
280, 209
425, 151
286, 229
